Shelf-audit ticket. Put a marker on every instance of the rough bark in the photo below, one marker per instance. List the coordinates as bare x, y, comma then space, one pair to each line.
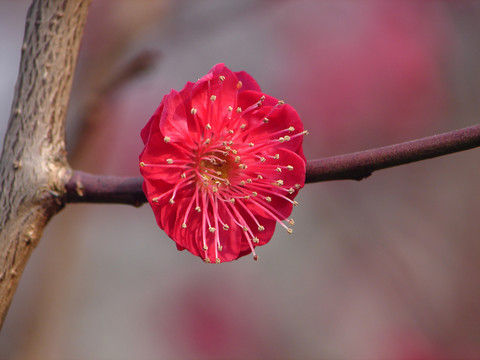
33, 166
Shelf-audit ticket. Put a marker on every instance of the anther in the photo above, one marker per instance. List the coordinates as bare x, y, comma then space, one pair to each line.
242, 166
239, 109
249, 181
217, 260
290, 167
166, 139
287, 138
237, 159
183, 176
289, 230
281, 139
261, 228
279, 182
242, 183
230, 131
243, 126
207, 141
142, 164
279, 169
214, 189
262, 159
265, 120
211, 229
262, 98
220, 247
232, 200
213, 98
255, 240
169, 161
197, 209
255, 257
245, 228
291, 129
209, 127
281, 102
251, 144
207, 260
184, 225
221, 77
226, 227
254, 193
239, 85
155, 199
291, 191
295, 203
268, 199
171, 201
205, 247
291, 222
276, 157
193, 111
260, 176
298, 186
305, 132
230, 108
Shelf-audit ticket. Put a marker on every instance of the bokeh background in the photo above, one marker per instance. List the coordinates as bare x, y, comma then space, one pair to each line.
386, 268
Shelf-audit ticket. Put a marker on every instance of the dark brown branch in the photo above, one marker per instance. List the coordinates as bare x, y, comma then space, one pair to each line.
84, 187
359, 165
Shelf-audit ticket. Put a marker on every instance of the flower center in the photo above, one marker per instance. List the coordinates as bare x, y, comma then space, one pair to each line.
215, 168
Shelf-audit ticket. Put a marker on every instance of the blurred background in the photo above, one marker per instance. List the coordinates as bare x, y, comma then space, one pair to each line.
386, 268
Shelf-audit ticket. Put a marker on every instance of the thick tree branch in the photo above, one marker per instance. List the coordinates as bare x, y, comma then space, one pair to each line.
33, 166
85, 187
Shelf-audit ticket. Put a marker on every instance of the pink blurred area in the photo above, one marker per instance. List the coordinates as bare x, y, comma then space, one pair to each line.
382, 269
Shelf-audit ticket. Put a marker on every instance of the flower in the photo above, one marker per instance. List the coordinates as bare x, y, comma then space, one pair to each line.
222, 165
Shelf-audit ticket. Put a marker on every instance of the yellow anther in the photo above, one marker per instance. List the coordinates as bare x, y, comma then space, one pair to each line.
234, 152
249, 181
193, 111
239, 109
214, 189
251, 144
208, 126
184, 225
262, 98
255, 240
295, 203
276, 157
142, 164
290, 167
262, 159
281, 102
217, 260
268, 199
171, 201
254, 193
230, 131
183, 176
261, 228
155, 199
169, 161
260, 176
291, 222
207, 260
232, 200
242, 182
298, 186
166, 139
226, 227
237, 159
207, 141
205, 247
239, 85
211, 229
213, 98
265, 120
287, 138
245, 228
291, 129
230, 108
290, 230
220, 247
221, 77
279, 182
243, 126
279, 169
305, 132
197, 209
291, 191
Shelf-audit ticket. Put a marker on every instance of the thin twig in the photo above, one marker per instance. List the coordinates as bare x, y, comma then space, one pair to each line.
84, 187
